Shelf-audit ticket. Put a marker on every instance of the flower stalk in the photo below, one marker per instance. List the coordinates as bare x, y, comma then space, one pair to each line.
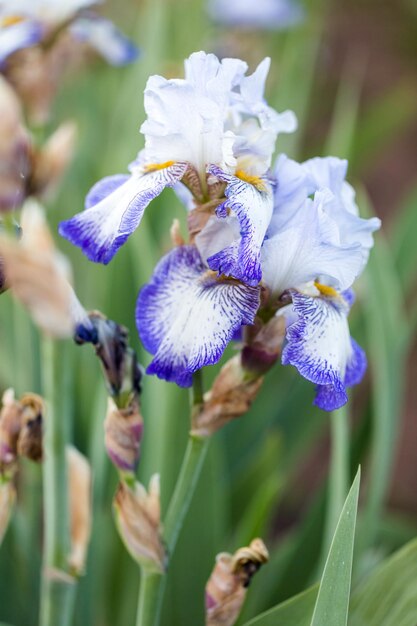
58, 585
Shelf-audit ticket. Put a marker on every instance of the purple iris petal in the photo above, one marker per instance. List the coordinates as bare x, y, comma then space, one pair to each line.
114, 209
253, 208
186, 316
18, 36
320, 347
105, 38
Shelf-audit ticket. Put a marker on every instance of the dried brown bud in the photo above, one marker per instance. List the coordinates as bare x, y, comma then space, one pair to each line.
29, 443
79, 473
263, 350
38, 275
20, 429
226, 588
7, 500
138, 520
10, 425
14, 150
123, 433
231, 396
50, 162
121, 369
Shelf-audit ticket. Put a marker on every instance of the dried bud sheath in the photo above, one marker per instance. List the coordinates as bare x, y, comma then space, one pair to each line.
231, 396
226, 587
123, 433
138, 518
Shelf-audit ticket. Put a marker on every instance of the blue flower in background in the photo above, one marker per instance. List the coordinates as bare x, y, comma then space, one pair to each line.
262, 14
24, 23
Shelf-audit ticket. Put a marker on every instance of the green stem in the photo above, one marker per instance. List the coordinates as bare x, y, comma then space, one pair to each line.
338, 485
150, 594
58, 588
152, 585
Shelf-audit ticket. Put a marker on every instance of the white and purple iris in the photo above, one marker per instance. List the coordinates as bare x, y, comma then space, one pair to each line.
263, 14
292, 231
25, 23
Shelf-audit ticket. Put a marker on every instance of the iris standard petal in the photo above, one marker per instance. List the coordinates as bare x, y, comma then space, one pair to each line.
114, 209
252, 204
308, 247
186, 316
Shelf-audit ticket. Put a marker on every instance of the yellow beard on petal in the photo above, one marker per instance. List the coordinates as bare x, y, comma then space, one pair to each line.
256, 181
11, 20
325, 290
154, 167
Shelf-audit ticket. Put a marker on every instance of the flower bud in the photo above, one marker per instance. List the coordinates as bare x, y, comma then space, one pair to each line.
123, 433
50, 162
14, 150
138, 520
38, 275
121, 369
7, 500
10, 425
79, 473
226, 588
231, 396
263, 350
29, 443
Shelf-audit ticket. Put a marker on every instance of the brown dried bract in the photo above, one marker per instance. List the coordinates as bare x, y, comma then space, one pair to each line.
226, 587
123, 433
231, 396
137, 515
30, 440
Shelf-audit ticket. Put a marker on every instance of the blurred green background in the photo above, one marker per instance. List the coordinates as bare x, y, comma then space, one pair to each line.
349, 72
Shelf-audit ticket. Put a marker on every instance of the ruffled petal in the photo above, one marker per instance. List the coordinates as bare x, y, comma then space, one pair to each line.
114, 209
21, 35
105, 38
307, 248
252, 204
186, 316
320, 347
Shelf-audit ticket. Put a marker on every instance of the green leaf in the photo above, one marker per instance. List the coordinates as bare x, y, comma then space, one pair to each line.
389, 595
332, 601
296, 611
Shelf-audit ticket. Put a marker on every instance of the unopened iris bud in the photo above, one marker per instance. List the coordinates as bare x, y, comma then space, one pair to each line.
123, 433
137, 515
226, 588
29, 442
79, 473
121, 369
263, 350
10, 425
49, 163
230, 397
7, 500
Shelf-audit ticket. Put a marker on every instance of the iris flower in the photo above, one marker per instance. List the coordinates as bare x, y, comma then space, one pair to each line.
284, 241
24, 23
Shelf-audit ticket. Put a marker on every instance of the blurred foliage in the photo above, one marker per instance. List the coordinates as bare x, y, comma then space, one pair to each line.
257, 476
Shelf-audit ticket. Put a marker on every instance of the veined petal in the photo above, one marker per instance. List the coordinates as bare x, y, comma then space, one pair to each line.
308, 247
17, 36
252, 204
320, 347
114, 209
186, 316
105, 38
